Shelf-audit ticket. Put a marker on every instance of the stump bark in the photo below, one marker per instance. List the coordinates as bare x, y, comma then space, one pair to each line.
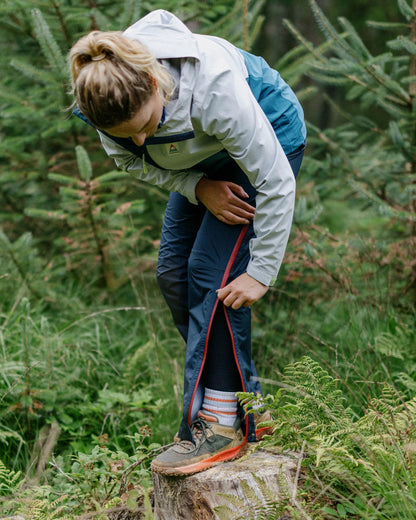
195, 497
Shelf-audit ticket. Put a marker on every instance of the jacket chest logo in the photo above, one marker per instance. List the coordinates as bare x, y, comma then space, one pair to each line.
173, 149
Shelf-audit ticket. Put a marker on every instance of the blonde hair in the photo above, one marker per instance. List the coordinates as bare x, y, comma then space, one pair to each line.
114, 76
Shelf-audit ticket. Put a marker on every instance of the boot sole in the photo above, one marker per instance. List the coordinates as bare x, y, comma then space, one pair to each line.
202, 465
262, 432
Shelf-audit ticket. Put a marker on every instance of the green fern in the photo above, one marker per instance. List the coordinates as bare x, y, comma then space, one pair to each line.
39, 507
10, 480
372, 455
259, 502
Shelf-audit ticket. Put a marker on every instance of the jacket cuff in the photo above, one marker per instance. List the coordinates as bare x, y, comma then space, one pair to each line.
188, 189
261, 276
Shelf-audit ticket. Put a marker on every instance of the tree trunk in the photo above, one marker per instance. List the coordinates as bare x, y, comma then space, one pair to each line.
195, 497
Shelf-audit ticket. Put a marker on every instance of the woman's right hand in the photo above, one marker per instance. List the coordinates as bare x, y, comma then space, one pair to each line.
222, 199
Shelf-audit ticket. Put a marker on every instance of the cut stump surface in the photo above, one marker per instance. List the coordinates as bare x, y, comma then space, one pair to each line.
195, 497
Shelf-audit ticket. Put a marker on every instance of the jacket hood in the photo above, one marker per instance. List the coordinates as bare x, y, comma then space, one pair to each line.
167, 38
164, 35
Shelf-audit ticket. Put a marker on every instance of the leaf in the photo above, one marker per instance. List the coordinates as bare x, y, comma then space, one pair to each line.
341, 511
132, 498
329, 511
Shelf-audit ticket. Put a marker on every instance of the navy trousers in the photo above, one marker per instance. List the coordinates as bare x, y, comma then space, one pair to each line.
198, 255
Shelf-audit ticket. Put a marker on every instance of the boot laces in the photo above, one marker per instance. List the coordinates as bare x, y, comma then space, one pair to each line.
201, 431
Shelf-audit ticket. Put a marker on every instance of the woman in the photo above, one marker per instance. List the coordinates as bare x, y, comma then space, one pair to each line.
225, 135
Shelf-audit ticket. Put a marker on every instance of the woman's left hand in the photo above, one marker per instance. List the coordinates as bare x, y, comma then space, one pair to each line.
243, 291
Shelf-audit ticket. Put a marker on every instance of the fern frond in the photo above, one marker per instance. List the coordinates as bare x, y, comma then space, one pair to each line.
224, 512
268, 495
40, 508
10, 480
250, 492
386, 344
256, 506
234, 501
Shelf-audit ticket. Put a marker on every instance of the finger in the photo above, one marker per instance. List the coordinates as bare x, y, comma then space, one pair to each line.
235, 219
241, 208
242, 211
227, 295
237, 304
222, 293
232, 219
236, 200
230, 300
239, 190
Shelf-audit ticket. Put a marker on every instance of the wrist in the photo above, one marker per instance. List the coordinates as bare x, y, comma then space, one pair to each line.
200, 187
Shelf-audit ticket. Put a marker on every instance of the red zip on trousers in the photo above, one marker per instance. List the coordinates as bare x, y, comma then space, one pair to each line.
223, 282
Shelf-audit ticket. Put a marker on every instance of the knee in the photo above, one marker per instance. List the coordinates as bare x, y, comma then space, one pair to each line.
172, 280
204, 271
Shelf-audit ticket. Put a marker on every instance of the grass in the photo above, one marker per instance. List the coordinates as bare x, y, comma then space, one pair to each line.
108, 366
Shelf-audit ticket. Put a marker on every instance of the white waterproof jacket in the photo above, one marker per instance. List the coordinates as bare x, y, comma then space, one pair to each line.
213, 109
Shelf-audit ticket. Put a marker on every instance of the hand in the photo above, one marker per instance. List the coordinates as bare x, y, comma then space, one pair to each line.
222, 199
243, 291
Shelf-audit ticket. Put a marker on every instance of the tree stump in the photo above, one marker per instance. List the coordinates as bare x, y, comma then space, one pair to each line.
195, 497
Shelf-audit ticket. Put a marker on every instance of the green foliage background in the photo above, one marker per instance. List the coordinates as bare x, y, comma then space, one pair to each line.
90, 363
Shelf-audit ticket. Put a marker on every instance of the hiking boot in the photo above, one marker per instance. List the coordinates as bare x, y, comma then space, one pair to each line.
260, 428
260, 431
212, 443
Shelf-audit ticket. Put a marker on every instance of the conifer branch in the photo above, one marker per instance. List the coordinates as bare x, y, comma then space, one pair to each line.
245, 17
62, 23
346, 50
412, 94
13, 257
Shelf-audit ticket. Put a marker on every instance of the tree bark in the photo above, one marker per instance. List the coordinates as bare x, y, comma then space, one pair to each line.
195, 497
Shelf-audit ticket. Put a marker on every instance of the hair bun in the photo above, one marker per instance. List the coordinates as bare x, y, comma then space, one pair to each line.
99, 57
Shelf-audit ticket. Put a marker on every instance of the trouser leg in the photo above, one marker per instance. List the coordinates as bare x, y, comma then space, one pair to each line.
180, 227
220, 368
220, 254
191, 232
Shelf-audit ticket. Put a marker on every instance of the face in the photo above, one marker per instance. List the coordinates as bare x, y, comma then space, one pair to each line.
143, 124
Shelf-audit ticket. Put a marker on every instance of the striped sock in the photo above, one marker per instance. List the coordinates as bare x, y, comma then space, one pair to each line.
222, 405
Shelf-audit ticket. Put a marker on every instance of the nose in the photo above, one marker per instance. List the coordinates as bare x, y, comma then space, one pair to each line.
139, 138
